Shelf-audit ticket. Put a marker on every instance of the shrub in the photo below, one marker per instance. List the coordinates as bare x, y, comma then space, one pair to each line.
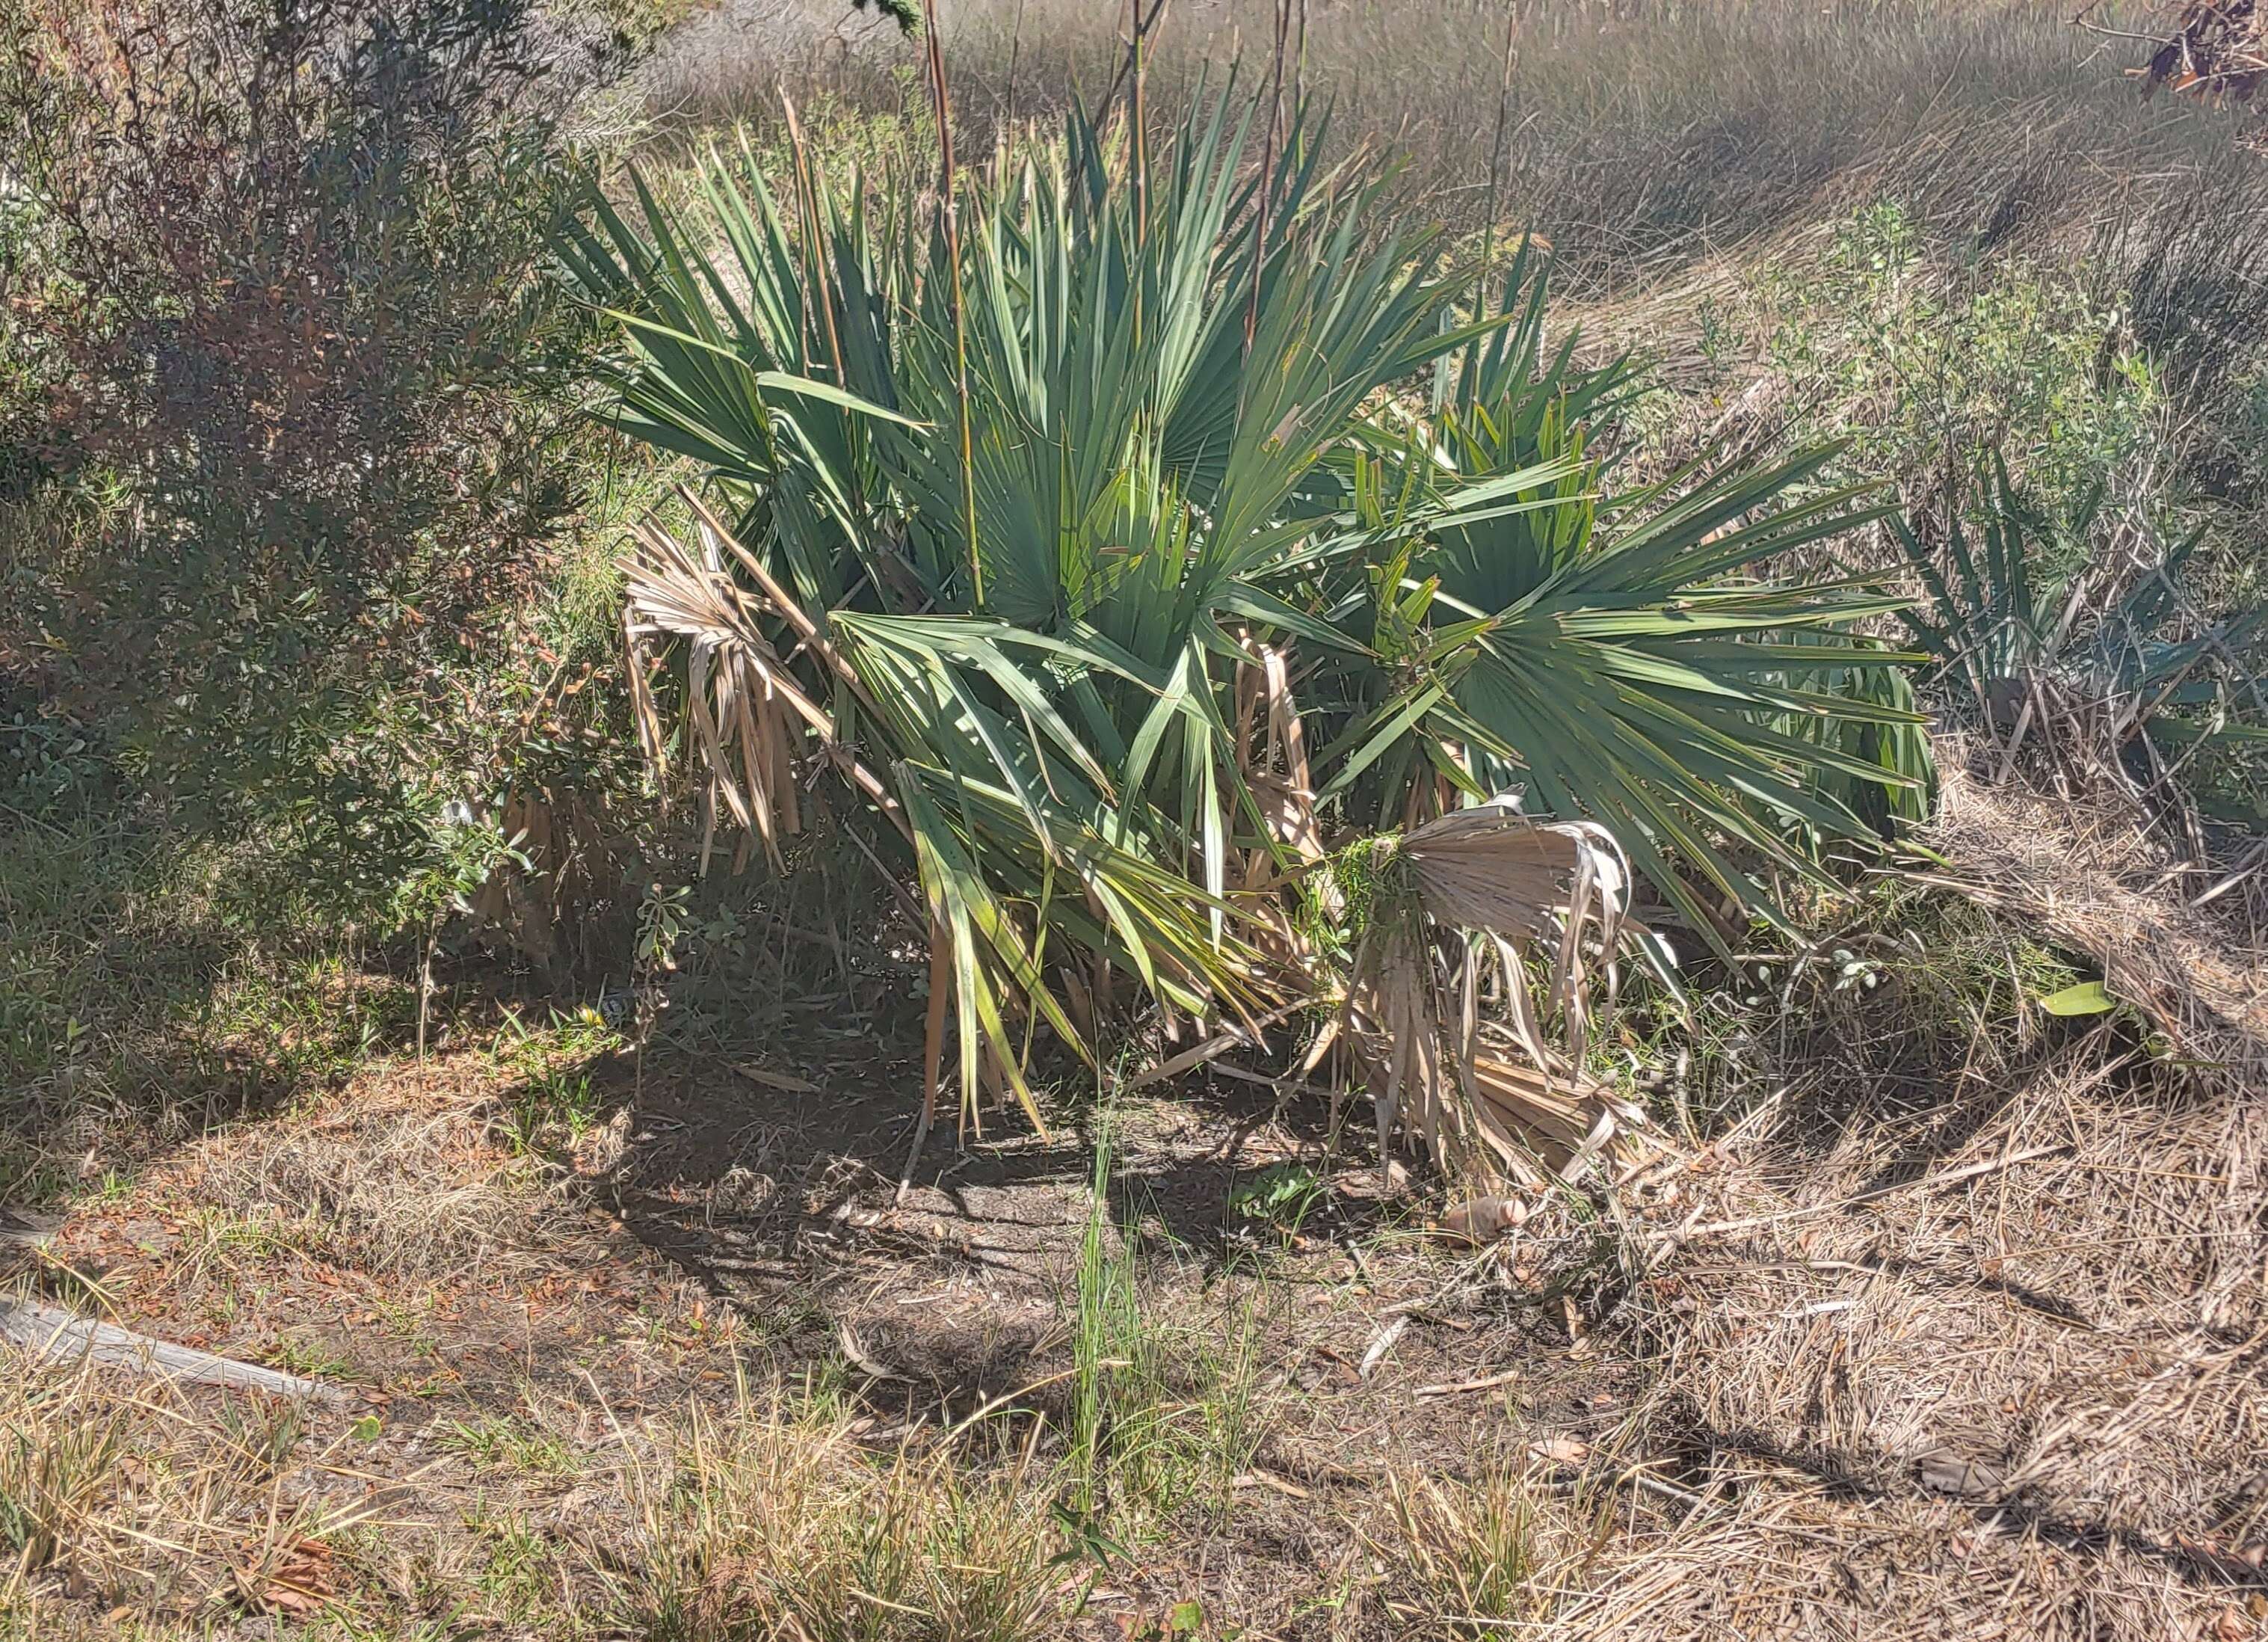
279, 407
1044, 508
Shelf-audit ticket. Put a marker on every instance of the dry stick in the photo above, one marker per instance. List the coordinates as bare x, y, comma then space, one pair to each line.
1229, 1037
1282, 1085
27, 1229
1496, 163
951, 211
807, 204
1015, 49
940, 975
1267, 175
1927, 1183
1486, 1382
52, 1332
1299, 69
907, 904
1141, 135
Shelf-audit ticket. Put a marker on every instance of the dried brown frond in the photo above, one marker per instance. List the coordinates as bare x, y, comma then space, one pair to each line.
744, 729
1423, 1001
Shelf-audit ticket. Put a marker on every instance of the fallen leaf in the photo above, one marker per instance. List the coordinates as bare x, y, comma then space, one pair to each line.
1563, 1450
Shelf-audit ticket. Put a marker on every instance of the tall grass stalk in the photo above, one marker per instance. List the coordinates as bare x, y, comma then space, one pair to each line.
1106, 1329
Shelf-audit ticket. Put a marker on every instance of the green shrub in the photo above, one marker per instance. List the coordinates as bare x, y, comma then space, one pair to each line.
283, 409
1914, 360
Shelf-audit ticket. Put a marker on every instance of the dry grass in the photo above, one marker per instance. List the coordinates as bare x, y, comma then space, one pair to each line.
774, 1520
411, 1179
133, 1500
1635, 128
1960, 1334
2177, 936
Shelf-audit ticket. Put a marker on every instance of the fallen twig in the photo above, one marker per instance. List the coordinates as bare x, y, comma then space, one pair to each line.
1233, 1035
1261, 1479
53, 1332
1486, 1382
1952, 1177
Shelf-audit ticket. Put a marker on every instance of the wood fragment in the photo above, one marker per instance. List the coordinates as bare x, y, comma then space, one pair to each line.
1233, 1035
26, 1229
858, 1357
1263, 1479
1486, 1382
54, 1333
1382, 1343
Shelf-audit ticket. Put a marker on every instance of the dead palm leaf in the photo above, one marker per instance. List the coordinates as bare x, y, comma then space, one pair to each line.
1480, 896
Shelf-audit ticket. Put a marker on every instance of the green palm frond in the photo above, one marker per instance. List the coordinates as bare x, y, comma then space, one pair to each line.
1213, 433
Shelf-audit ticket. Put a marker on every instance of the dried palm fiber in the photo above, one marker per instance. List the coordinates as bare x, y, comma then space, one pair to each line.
1271, 756
1513, 889
742, 726
746, 709
570, 867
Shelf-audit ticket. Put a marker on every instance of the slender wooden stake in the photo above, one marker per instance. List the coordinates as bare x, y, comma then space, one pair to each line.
1141, 123
822, 280
1015, 49
952, 211
1300, 76
1496, 160
941, 977
1268, 170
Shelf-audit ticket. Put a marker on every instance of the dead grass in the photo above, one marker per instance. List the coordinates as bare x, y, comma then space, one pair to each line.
130, 1500
407, 1181
1966, 1342
2176, 935
1636, 130
770, 1519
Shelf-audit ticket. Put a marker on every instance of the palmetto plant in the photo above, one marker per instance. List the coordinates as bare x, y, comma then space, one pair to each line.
1243, 539
2107, 668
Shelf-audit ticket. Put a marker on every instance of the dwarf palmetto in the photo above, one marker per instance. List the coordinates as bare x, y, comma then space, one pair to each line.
1207, 499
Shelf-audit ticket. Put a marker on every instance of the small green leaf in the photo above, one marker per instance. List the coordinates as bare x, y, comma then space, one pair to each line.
366, 1428
2086, 998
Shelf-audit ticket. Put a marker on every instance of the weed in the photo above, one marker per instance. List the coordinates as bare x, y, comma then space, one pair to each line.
773, 1521
555, 1104
1161, 1415
307, 1360
511, 1443
1282, 1194
517, 1571
1492, 1557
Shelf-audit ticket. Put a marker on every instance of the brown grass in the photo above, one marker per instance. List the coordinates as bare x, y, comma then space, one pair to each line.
2180, 936
1966, 1341
1637, 130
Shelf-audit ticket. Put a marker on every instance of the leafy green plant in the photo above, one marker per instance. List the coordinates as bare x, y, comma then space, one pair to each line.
2110, 668
1161, 1416
1046, 611
1282, 1194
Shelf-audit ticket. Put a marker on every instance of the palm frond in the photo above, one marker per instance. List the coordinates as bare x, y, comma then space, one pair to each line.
1262, 553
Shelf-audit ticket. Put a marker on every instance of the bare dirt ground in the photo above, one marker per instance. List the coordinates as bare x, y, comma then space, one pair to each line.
1970, 1344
